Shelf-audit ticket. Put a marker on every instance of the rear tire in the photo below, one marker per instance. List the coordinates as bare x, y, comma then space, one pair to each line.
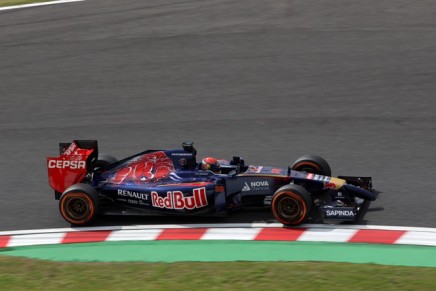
79, 204
312, 164
291, 204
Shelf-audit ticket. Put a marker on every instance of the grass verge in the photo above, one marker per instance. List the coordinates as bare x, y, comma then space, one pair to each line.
4, 3
23, 274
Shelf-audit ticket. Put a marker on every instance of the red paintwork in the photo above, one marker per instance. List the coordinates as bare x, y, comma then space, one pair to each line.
4, 240
191, 184
67, 169
377, 236
280, 234
86, 236
181, 234
147, 168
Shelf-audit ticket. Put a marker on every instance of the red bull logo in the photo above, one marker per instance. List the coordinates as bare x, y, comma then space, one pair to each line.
176, 199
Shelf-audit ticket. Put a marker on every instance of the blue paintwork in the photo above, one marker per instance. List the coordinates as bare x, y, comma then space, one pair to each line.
132, 184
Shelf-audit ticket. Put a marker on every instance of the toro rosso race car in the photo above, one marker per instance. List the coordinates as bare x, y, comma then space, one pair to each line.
171, 182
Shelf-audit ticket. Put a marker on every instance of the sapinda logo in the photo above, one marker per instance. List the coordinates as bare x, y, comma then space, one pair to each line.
176, 199
65, 164
340, 213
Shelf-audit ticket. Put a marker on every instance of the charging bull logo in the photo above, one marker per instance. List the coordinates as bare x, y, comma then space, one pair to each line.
147, 168
176, 200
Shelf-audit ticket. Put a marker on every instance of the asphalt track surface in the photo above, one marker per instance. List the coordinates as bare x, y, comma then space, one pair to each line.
353, 81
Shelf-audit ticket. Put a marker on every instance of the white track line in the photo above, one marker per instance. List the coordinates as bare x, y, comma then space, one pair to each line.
231, 234
134, 234
417, 238
38, 4
328, 235
36, 239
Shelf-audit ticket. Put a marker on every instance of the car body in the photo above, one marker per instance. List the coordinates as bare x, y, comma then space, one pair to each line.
171, 182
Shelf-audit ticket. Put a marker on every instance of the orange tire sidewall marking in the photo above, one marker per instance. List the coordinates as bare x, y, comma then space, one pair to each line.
80, 195
294, 196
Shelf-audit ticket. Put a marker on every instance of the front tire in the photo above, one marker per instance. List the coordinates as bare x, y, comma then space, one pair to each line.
312, 164
291, 204
79, 204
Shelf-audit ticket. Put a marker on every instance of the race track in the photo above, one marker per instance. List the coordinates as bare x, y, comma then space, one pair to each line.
353, 81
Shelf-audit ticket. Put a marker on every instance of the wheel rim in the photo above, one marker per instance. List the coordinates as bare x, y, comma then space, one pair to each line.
289, 208
77, 208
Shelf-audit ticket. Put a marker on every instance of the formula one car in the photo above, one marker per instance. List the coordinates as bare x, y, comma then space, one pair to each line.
171, 182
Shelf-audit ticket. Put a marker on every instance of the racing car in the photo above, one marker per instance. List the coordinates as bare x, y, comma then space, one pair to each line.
172, 182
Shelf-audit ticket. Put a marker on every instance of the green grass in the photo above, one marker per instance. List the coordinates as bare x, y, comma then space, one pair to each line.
18, 2
23, 274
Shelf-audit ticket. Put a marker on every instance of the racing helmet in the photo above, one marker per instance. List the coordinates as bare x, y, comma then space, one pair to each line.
210, 164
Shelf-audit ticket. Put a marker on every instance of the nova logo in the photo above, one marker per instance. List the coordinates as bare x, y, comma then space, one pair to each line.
256, 186
259, 184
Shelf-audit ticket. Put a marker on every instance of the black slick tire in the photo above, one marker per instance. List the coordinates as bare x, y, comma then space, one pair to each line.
312, 164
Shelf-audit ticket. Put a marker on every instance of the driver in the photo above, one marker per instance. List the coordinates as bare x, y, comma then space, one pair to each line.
210, 164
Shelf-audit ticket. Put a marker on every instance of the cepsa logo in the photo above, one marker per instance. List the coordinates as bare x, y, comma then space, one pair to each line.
64, 164
176, 200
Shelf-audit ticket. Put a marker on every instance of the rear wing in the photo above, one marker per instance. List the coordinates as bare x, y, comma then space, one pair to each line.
71, 167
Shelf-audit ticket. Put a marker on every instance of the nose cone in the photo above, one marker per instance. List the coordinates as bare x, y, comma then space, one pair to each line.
335, 183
